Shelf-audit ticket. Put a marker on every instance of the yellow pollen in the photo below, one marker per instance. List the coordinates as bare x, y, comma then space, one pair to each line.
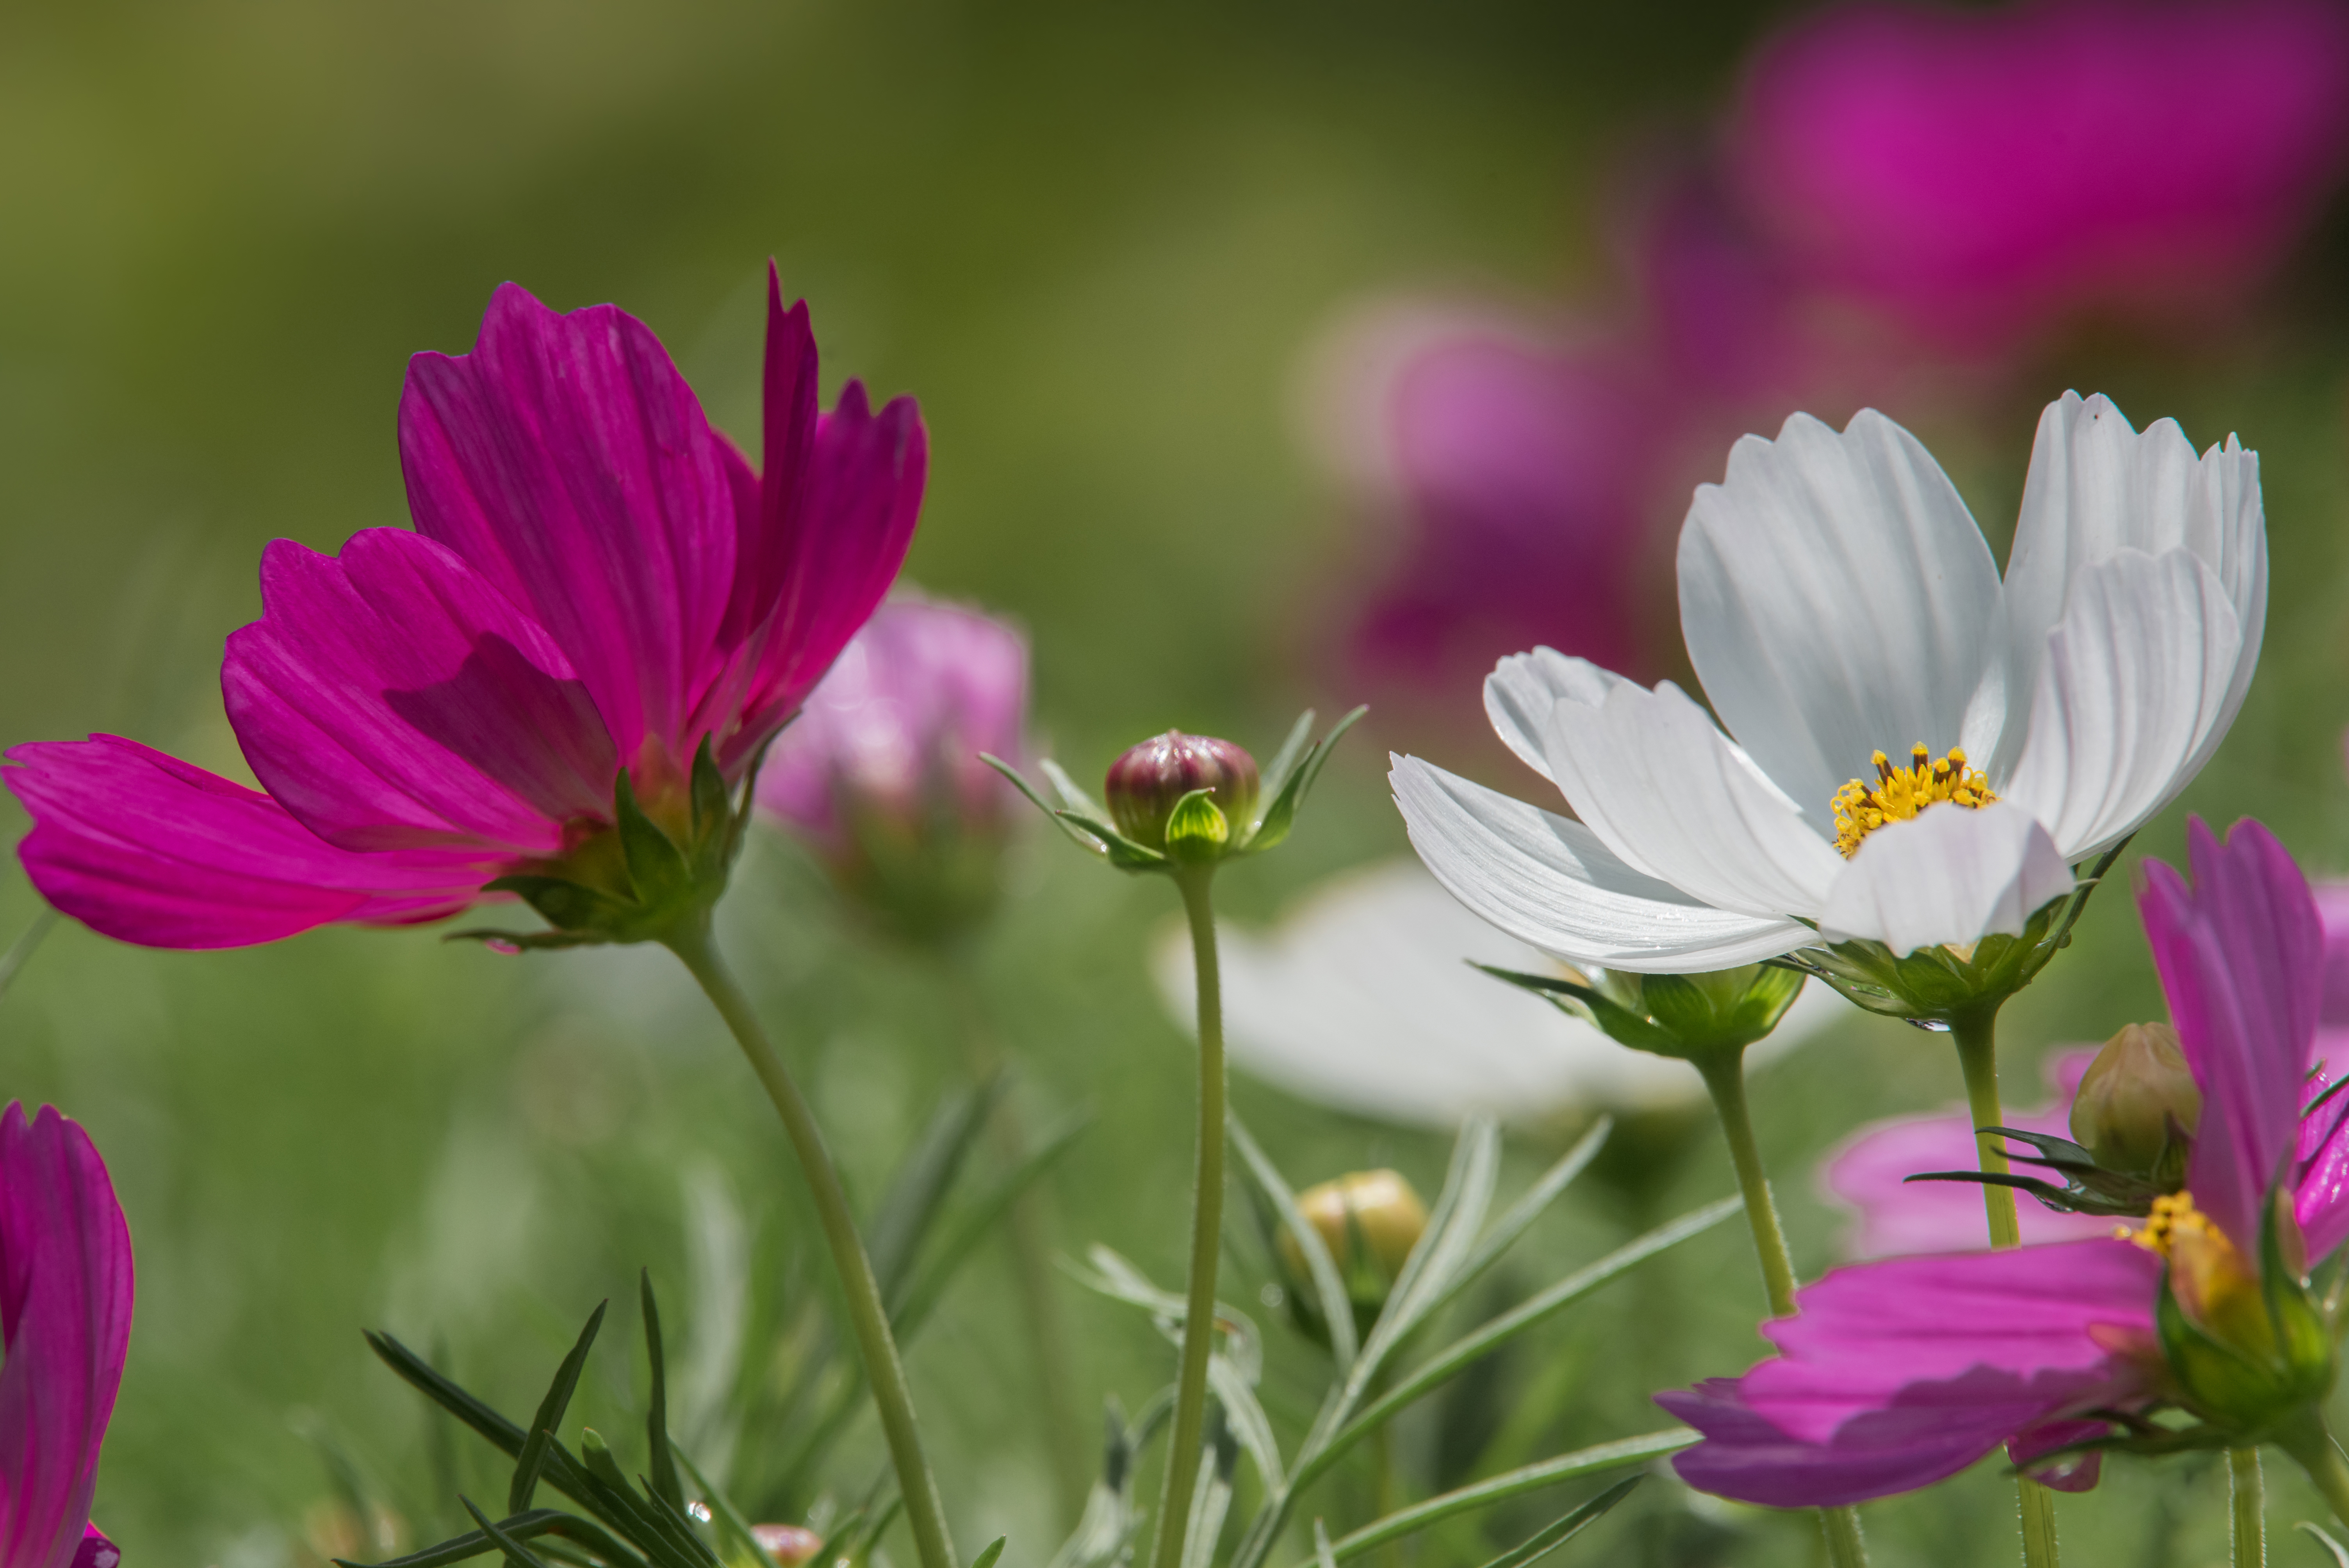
2173, 1215
1900, 793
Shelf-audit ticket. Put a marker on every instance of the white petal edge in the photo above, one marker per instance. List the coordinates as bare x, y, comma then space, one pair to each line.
1838, 598
1661, 787
1948, 876
2135, 692
2097, 486
1522, 687
1551, 884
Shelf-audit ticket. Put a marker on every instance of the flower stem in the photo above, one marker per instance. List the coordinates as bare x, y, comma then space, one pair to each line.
2308, 1442
2250, 1499
926, 1511
1206, 1231
1976, 1034
1724, 1079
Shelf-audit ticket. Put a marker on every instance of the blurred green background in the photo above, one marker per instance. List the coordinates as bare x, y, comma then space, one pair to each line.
1095, 242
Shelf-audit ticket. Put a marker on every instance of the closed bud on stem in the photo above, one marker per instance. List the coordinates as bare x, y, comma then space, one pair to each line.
1153, 794
791, 1545
1369, 1221
2136, 1106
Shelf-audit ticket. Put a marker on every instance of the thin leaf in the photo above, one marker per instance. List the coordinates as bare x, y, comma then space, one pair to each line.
21, 951
2340, 1553
663, 1465
1531, 1478
532, 1525
1449, 1237
1337, 1307
732, 1527
1450, 1361
542, 1426
420, 1373
1543, 1542
1211, 1496
961, 1237
1284, 761
920, 1185
1522, 1214
1280, 816
1322, 1556
1073, 794
1083, 839
989, 1552
516, 1552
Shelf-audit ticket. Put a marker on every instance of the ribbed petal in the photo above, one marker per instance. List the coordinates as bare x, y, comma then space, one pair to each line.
65, 1306
567, 461
2133, 694
2321, 1184
144, 848
1869, 1173
1551, 884
2240, 953
2097, 487
1522, 688
1949, 875
391, 698
1894, 1375
1669, 794
1837, 600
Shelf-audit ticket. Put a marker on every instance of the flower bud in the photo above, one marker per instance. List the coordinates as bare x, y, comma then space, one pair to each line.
791, 1545
1369, 1221
2137, 1106
1145, 785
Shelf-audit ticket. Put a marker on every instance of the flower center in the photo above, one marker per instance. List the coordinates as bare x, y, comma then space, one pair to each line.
2173, 1218
1900, 793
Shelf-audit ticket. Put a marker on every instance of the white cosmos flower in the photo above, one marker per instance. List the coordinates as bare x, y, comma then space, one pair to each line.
1838, 602
1362, 998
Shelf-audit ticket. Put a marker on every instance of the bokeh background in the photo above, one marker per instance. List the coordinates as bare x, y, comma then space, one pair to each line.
1162, 281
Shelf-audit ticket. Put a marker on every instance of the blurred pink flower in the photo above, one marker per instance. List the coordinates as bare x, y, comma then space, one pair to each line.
596, 580
1868, 1172
1982, 172
897, 727
66, 1292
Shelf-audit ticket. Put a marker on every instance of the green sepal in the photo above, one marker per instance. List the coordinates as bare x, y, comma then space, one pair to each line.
656, 865
525, 941
1197, 829
2226, 1388
542, 1426
715, 821
568, 906
2088, 1188
1691, 1017
2303, 1329
1292, 781
1620, 1023
1082, 820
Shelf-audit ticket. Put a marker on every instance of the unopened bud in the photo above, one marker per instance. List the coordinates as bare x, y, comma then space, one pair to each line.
791, 1545
2137, 1106
1145, 785
1369, 1221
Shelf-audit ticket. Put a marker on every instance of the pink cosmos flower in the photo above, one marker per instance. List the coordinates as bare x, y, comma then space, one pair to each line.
65, 1316
1896, 1374
596, 581
1979, 172
1869, 1173
897, 727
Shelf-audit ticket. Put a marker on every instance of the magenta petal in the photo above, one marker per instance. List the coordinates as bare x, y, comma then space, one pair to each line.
2321, 1182
2241, 958
65, 1310
97, 1551
144, 848
2073, 1472
567, 461
1894, 1375
390, 698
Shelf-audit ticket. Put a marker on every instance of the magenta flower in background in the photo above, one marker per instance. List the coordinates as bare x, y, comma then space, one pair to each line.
596, 580
1869, 1174
65, 1313
898, 725
1980, 172
1899, 1373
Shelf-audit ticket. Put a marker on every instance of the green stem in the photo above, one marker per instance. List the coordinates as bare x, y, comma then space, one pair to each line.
924, 1510
1976, 1034
1724, 1079
1030, 1227
2249, 1496
2308, 1442
1206, 1231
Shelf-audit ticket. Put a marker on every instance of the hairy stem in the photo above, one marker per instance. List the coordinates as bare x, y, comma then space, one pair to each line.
1724, 1079
2248, 1495
2313, 1447
926, 1511
1976, 1034
1206, 1231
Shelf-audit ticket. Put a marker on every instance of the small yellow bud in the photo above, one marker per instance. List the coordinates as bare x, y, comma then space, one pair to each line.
1370, 1218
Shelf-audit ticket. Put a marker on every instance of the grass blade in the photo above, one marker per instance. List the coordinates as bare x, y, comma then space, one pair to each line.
662, 1464
1543, 1542
533, 1457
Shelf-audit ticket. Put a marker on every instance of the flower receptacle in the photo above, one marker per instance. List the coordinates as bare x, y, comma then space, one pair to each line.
1693, 1018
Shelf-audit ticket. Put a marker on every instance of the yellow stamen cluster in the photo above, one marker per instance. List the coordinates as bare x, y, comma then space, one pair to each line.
1900, 793
2173, 1216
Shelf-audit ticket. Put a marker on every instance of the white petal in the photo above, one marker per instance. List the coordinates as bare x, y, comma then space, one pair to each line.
1551, 884
2135, 692
1362, 998
1659, 784
2097, 487
1838, 598
1948, 876
1521, 688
